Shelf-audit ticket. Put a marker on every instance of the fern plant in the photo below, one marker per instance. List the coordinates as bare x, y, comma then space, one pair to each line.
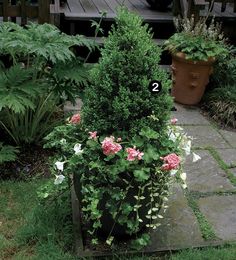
17, 89
7, 153
40, 65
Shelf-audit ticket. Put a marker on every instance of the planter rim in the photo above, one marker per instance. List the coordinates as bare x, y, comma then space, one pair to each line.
180, 56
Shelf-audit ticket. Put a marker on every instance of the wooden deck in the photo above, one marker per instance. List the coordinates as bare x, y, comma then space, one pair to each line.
227, 14
92, 9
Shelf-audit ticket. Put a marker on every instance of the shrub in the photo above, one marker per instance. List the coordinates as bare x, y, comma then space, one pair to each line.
224, 72
118, 98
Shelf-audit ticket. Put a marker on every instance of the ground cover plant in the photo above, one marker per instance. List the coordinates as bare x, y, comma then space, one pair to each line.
123, 150
220, 99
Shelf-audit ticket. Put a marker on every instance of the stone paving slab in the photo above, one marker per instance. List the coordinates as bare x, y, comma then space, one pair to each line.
206, 136
189, 115
205, 175
230, 137
179, 226
69, 107
228, 156
221, 213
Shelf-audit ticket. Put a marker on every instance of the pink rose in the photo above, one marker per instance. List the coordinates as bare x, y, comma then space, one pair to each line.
109, 146
134, 154
171, 162
93, 135
174, 121
75, 119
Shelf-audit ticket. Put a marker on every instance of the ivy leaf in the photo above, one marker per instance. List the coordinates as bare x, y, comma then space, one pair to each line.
140, 242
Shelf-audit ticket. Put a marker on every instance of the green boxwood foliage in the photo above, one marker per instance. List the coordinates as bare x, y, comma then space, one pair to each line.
118, 97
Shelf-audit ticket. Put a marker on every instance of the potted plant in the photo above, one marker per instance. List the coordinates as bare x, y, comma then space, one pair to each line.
123, 150
194, 49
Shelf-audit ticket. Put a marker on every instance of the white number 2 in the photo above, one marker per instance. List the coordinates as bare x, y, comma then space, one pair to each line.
155, 87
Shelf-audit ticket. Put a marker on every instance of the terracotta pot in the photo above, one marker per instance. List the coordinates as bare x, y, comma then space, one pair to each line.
189, 78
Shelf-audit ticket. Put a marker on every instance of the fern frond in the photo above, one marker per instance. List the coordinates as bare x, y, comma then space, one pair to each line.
7, 153
17, 89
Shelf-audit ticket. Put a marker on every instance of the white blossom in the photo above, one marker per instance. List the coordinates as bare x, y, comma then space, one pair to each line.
173, 172
196, 157
60, 165
183, 176
187, 147
59, 179
77, 149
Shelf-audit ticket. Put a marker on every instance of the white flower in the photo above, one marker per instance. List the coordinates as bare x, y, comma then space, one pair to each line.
77, 149
187, 147
63, 141
60, 165
59, 179
196, 157
183, 176
172, 137
184, 186
173, 172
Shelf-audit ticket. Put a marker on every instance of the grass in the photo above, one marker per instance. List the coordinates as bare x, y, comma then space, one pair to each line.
29, 230
207, 230
222, 165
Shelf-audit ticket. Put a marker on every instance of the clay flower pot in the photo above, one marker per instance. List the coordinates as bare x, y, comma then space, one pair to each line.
189, 78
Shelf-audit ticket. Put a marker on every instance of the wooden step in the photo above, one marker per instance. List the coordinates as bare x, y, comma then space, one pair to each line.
100, 40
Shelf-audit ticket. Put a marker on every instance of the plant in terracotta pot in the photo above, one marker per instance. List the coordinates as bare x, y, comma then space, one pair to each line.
123, 150
194, 49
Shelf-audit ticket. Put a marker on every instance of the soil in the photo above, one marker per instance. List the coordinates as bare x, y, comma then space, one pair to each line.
32, 161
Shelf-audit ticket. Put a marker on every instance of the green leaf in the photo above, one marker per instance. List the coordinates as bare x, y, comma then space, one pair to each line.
149, 133
151, 154
142, 175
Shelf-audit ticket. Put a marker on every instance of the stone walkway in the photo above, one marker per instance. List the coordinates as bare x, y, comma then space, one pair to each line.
206, 213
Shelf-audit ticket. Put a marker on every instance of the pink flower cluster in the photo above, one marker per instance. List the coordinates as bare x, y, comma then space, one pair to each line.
93, 135
75, 119
109, 146
134, 154
171, 162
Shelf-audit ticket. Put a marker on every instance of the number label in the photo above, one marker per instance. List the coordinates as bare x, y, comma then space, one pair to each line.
155, 87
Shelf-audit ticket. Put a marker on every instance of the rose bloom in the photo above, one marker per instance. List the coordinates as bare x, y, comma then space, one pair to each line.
171, 162
75, 119
109, 146
134, 154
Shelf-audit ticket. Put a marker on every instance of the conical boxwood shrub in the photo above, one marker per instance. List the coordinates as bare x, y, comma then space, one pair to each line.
118, 98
